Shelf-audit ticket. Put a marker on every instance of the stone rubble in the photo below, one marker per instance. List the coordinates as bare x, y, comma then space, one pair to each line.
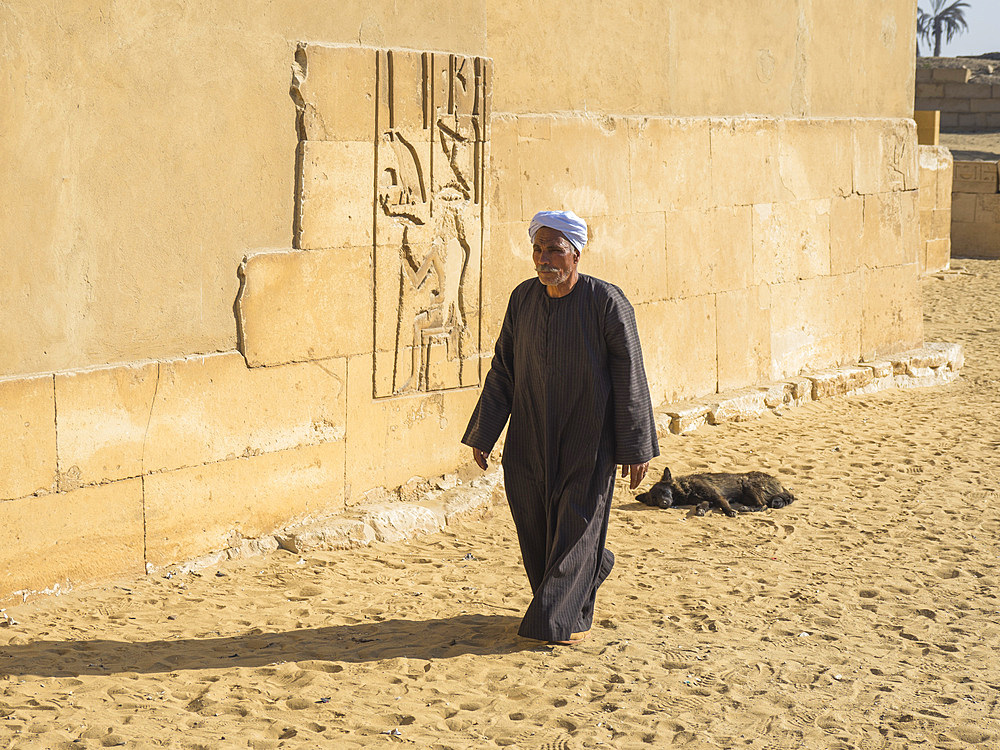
377, 520
933, 364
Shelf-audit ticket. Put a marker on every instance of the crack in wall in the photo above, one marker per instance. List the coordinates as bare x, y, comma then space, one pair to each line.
142, 466
57, 479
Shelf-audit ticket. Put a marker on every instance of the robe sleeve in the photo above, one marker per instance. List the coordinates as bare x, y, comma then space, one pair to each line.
495, 401
635, 428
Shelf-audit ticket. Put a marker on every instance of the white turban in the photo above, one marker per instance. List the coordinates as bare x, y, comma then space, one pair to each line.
572, 227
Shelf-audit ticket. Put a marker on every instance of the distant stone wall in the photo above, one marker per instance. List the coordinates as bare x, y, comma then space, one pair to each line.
934, 253
975, 209
963, 104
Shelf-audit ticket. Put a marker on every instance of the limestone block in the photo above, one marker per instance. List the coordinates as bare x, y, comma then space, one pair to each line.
988, 209
663, 423
755, 67
839, 381
214, 408
583, 167
880, 368
668, 161
950, 75
937, 255
923, 75
326, 534
744, 163
884, 243
504, 169
977, 120
892, 311
506, 263
968, 90
953, 353
679, 347
815, 157
744, 336
707, 251
949, 119
940, 221
395, 522
791, 241
334, 91
928, 358
926, 379
296, 306
857, 31
89, 534
963, 207
993, 120
28, 425
775, 394
686, 416
975, 240
984, 105
945, 179
909, 218
530, 71
934, 103
935, 161
926, 89
393, 439
534, 127
814, 323
193, 511
101, 420
738, 406
847, 238
475, 498
885, 155
336, 194
799, 391
628, 251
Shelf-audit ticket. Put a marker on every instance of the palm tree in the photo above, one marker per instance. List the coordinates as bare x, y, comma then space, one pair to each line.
948, 21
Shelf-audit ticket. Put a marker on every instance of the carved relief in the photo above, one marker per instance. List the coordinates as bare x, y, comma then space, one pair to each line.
429, 170
975, 177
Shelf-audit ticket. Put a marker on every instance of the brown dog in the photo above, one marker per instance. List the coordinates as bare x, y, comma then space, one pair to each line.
732, 493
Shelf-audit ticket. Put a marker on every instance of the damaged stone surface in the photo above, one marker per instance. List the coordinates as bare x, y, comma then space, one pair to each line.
383, 520
930, 365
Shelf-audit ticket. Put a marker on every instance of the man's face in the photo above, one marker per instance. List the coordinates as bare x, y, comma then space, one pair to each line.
555, 257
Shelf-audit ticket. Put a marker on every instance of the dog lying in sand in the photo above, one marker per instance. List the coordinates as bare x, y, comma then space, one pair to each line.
731, 493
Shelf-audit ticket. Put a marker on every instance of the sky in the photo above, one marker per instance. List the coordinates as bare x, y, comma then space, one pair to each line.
983, 17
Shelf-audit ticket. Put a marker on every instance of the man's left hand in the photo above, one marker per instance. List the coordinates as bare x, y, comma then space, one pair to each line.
635, 472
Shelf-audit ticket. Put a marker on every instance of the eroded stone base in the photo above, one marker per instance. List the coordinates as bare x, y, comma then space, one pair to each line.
933, 364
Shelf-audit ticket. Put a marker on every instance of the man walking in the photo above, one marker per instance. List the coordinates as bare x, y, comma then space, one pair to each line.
567, 371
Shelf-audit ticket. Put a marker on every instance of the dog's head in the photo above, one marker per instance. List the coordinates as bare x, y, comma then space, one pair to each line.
661, 494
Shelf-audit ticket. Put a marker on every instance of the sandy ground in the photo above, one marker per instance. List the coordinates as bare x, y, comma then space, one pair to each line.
972, 146
866, 615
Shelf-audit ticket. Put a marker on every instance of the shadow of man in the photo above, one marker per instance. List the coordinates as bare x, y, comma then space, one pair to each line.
367, 642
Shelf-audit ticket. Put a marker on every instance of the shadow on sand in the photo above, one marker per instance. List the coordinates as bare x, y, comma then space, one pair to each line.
415, 639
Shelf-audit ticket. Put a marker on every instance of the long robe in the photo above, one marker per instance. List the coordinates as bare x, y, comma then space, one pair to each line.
568, 373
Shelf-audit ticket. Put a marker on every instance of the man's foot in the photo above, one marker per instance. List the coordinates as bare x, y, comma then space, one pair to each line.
574, 638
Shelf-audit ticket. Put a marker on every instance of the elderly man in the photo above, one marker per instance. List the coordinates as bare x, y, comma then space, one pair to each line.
567, 371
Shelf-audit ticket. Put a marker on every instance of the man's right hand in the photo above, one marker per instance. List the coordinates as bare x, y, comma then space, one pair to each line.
480, 458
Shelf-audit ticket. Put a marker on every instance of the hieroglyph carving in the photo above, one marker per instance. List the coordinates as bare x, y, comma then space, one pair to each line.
431, 142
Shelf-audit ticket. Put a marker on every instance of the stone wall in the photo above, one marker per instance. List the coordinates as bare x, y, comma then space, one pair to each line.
936, 167
965, 104
135, 184
975, 209
366, 207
